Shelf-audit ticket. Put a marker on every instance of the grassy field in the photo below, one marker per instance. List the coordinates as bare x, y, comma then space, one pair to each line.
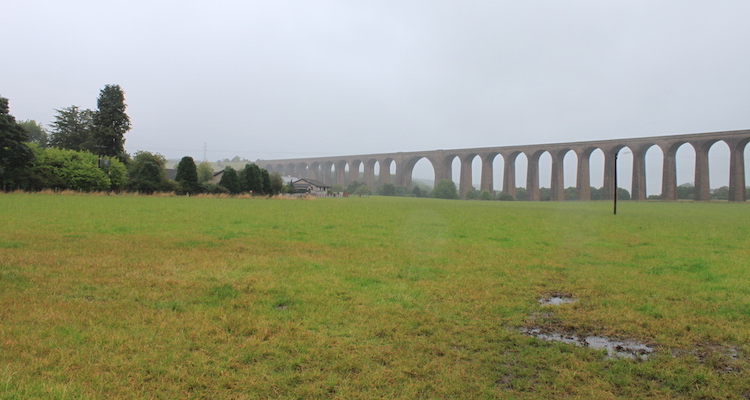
360, 298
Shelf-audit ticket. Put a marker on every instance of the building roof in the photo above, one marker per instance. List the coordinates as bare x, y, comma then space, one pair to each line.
303, 184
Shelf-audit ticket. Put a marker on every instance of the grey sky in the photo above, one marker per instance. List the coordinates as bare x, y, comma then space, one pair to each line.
280, 79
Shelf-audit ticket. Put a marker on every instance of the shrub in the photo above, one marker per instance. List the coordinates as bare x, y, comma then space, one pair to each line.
445, 189
69, 169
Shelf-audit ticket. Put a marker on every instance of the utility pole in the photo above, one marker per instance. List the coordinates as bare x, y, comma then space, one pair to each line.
615, 181
204, 152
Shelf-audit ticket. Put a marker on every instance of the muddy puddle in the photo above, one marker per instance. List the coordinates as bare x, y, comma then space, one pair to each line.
615, 348
556, 300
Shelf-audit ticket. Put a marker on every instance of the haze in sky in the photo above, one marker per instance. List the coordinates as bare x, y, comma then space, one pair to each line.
271, 79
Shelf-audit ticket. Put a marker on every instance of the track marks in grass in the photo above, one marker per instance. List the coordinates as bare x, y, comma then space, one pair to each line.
696, 268
419, 273
14, 279
11, 244
206, 244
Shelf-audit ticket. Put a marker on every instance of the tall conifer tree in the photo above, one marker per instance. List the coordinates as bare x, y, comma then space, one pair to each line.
111, 122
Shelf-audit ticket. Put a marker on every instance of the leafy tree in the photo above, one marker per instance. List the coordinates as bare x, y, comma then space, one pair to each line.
485, 195
472, 194
445, 189
353, 185
336, 188
416, 191
36, 132
72, 129
277, 183
231, 180
686, 191
147, 172
205, 172
111, 122
187, 175
721, 193
623, 194
15, 155
505, 196
387, 189
545, 194
117, 173
289, 188
571, 193
362, 190
402, 191
69, 169
521, 193
596, 193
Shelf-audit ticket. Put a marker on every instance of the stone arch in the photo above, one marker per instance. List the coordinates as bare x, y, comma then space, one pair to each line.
653, 156
313, 171
497, 165
339, 177
369, 173
354, 171
466, 173
669, 169
570, 166
625, 170
557, 173
610, 170
326, 172
290, 170
301, 170
739, 154
718, 168
408, 169
513, 175
583, 172
532, 174
386, 171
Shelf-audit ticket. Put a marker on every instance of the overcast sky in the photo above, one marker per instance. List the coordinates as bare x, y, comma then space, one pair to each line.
282, 79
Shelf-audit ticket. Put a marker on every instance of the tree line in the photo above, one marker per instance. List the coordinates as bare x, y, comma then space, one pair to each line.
84, 151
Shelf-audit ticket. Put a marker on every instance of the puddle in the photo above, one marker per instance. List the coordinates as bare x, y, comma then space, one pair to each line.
556, 300
615, 348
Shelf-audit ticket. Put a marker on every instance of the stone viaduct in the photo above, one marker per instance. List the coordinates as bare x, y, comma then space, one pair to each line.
344, 169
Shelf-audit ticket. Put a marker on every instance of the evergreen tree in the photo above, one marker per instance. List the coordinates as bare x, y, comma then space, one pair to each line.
147, 172
15, 155
148, 178
267, 189
230, 180
251, 179
72, 129
111, 122
187, 175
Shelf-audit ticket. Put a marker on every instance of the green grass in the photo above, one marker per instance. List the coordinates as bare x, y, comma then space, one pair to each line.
175, 297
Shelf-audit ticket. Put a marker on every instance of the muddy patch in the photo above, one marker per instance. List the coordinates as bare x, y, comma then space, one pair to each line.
556, 299
615, 348
725, 359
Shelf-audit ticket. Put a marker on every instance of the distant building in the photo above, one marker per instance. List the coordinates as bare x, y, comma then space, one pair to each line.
217, 177
311, 186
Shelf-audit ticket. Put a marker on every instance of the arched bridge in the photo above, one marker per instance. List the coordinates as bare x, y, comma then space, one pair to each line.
344, 169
